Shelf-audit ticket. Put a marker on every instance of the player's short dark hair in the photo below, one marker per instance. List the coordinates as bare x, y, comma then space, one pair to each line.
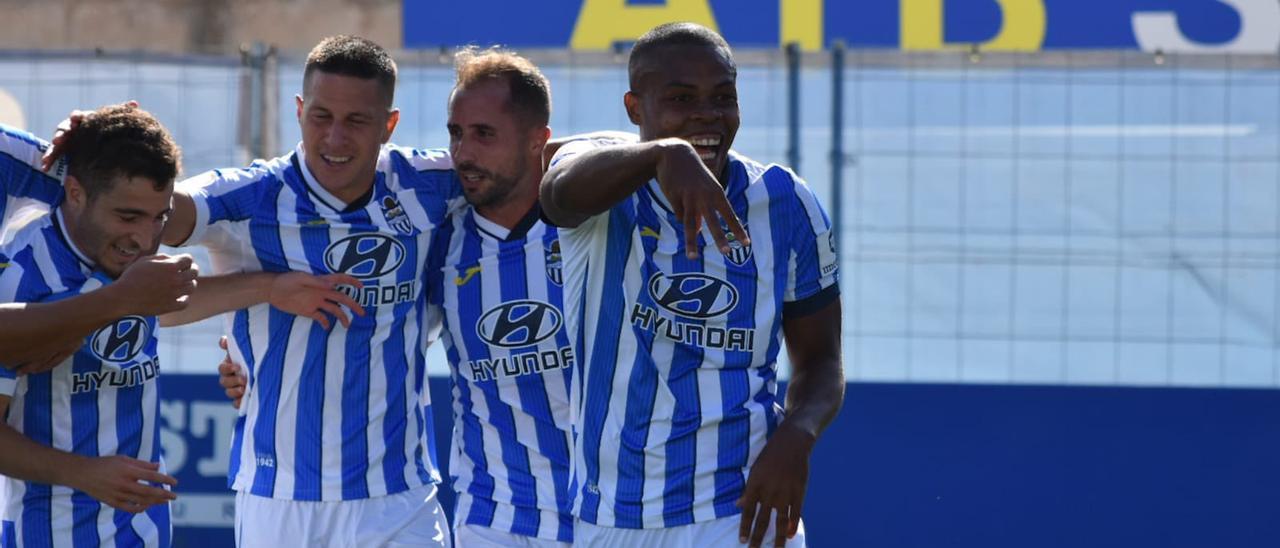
353, 56
529, 90
672, 34
121, 142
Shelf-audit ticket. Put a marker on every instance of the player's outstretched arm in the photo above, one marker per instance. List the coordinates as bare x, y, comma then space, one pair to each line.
780, 475
39, 336
591, 182
113, 480
298, 293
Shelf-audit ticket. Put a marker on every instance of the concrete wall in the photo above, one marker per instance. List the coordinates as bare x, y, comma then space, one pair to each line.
203, 26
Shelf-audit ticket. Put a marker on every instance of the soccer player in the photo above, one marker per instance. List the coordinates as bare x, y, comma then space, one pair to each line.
85, 433
678, 311
496, 281
329, 447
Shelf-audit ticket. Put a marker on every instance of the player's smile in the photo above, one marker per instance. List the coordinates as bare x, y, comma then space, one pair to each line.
709, 147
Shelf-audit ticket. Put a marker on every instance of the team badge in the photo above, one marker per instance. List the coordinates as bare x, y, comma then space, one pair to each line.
555, 271
395, 215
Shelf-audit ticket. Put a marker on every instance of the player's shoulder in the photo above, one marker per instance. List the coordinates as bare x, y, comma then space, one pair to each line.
419, 159
573, 145
263, 173
775, 180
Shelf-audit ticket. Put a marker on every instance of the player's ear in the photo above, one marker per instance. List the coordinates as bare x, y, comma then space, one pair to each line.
297, 100
632, 102
393, 118
76, 196
539, 137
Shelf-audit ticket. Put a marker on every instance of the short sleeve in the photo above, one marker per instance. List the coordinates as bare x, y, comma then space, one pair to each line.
814, 271
224, 196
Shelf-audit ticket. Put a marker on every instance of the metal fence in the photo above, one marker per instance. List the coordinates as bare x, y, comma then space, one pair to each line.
1074, 217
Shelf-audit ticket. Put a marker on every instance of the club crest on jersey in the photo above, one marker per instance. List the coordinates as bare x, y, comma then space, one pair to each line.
555, 270
395, 215
121, 340
366, 256
693, 295
738, 254
519, 323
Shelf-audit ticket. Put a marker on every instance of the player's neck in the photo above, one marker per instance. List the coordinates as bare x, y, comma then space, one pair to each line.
512, 210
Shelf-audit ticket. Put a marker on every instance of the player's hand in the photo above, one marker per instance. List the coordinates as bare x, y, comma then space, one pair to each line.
231, 376
41, 365
124, 483
315, 297
696, 197
155, 285
776, 486
58, 144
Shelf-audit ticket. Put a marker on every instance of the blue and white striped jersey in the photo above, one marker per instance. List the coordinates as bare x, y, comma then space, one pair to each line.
676, 395
104, 400
500, 296
21, 179
340, 414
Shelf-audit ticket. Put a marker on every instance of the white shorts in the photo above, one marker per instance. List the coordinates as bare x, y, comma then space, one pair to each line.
707, 534
475, 536
410, 518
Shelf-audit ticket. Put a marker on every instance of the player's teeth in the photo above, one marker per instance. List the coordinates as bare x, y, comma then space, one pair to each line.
706, 141
338, 159
707, 155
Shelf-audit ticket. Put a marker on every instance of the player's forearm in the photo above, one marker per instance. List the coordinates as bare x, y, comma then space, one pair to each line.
814, 396
218, 294
598, 179
27, 460
37, 330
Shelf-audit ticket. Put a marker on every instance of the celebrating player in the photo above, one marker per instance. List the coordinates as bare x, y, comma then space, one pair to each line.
679, 310
329, 448
496, 281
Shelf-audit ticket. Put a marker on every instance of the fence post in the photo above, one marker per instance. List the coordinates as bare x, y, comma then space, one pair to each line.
837, 142
257, 133
793, 106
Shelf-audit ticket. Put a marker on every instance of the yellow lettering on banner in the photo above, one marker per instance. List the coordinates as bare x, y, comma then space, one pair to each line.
601, 23
1021, 28
801, 22
920, 25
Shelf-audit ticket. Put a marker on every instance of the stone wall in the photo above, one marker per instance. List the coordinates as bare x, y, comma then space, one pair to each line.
201, 26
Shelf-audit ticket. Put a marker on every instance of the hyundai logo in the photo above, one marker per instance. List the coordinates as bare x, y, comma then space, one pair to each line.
693, 295
122, 340
365, 256
519, 323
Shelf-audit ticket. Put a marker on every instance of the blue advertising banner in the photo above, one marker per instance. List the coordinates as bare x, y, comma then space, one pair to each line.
986, 466
1237, 26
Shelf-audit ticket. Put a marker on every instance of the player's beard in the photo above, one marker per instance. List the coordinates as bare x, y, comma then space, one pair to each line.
493, 194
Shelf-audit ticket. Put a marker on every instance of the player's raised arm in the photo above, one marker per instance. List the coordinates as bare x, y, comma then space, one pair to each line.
583, 183
122, 482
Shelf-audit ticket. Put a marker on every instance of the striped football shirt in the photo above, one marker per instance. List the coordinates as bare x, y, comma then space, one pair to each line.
676, 393
500, 294
341, 414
